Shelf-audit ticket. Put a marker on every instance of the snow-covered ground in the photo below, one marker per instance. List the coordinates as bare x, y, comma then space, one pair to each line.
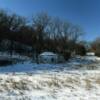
84, 63
13, 56
72, 85
77, 79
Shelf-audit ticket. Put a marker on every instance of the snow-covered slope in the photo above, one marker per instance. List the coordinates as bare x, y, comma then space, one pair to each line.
84, 63
73, 85
77, 79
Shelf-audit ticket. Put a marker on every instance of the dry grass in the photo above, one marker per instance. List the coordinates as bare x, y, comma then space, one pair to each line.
17, 98
98, 81
88, 85
51, 85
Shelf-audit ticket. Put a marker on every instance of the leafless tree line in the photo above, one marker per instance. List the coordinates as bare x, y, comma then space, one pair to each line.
43, 32
96, 46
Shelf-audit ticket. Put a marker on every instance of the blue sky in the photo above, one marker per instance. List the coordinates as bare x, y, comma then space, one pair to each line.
85, 13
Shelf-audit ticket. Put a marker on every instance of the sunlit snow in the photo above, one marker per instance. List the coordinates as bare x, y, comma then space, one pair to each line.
77, 79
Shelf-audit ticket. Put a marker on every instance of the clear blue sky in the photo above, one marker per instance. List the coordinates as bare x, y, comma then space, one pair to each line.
85, 13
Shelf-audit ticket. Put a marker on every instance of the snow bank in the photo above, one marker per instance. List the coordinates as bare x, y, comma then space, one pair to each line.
73, 85
68, 81
13, 56
93, 58
84, 63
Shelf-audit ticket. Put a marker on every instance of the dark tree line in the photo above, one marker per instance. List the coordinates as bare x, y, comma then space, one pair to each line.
44, 33
96, 46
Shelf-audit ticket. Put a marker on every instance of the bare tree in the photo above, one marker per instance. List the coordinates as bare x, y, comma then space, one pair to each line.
45, 32
96, 46
9, 25
14, 24
40, 23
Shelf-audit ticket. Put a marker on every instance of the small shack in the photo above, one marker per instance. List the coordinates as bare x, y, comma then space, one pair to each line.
48, 57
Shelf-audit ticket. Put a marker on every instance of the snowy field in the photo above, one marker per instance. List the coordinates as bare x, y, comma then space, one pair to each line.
77, 79
72, 85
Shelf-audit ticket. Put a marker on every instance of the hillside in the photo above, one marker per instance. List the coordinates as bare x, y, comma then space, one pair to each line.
77, 79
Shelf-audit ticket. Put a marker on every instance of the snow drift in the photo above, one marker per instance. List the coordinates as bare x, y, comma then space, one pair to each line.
69, 86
